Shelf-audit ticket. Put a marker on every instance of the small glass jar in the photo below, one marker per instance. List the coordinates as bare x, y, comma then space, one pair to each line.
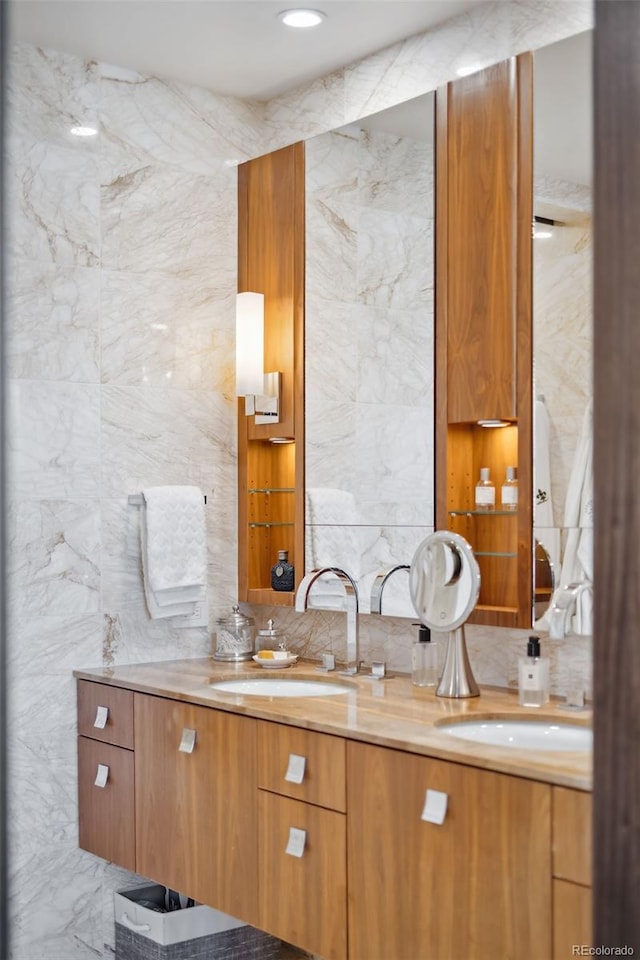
270, 638
235, 636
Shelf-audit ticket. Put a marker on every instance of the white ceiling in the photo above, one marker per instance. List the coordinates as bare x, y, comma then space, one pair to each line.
563, 108
239, 47
236, 47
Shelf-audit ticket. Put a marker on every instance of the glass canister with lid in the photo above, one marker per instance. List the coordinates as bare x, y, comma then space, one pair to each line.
235, 636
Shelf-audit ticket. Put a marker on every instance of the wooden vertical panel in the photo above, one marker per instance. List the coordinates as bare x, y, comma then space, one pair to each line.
616, 471
524, 337
271, 261
482, 157
484, 186
443, 449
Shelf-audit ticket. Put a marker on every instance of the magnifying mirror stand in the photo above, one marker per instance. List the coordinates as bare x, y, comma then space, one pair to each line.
457, 678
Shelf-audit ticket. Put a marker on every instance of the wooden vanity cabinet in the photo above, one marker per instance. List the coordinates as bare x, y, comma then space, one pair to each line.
572, 871
106, 825
221, 800
476, 886
303, 888
196, 802
484, 187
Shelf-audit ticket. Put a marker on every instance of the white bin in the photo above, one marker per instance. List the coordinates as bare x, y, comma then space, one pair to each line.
193, 933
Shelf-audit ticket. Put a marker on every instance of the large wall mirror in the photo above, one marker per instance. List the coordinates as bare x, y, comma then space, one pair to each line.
369, 349
369, 339
562, 283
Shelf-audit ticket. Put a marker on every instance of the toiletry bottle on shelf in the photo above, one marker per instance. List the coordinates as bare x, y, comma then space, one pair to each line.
425, 670
533, 676
282, 572
485, 491
509, 490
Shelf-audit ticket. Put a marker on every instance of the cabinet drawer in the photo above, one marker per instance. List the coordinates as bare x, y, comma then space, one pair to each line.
572, 923
287, 755
303, 899
106, 801
105, 713
572, 835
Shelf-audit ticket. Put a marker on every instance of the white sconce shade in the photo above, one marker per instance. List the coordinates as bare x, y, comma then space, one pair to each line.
249, 344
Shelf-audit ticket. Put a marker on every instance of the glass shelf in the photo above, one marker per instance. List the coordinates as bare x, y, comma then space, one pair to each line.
272, 524
272, 490
483, 513
489, 553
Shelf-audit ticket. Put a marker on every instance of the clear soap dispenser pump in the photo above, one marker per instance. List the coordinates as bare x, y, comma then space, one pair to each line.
424, 659
533, 676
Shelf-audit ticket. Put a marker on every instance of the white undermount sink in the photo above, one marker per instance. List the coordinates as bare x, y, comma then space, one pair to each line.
267, 687
522, 734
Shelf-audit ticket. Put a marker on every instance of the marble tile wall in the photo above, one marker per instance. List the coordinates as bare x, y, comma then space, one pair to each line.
121, 277
121, 357
562, 281
369, 395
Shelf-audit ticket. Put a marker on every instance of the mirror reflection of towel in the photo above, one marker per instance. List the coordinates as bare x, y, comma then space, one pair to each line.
577, 563
542, 503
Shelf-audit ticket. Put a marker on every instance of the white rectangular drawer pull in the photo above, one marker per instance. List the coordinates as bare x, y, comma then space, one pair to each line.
295, 769
188, 741
435, 806
102, 715
102, 775
296, 842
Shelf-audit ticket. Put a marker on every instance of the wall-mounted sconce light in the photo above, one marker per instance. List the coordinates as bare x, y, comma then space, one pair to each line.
261, 391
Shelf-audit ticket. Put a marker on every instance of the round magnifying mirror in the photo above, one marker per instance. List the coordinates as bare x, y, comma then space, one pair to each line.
444, 581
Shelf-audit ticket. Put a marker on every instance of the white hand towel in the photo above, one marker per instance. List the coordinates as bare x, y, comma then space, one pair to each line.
173, 542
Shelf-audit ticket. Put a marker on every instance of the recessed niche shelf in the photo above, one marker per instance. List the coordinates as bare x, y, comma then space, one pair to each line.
273, 490
483, 513
277, 524
491, 553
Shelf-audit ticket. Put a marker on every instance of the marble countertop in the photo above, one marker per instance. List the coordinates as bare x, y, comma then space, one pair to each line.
390, 712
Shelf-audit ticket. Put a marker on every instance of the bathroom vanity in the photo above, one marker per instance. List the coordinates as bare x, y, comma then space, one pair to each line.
350, 825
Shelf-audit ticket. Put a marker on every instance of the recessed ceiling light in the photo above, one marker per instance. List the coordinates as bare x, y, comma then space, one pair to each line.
81, 131
542, 234
302, 17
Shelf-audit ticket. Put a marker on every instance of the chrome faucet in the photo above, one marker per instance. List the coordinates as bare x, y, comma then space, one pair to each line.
380, 582
351, 595
563, 605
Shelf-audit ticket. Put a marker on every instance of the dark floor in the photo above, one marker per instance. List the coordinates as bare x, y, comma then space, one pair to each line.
293, 953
